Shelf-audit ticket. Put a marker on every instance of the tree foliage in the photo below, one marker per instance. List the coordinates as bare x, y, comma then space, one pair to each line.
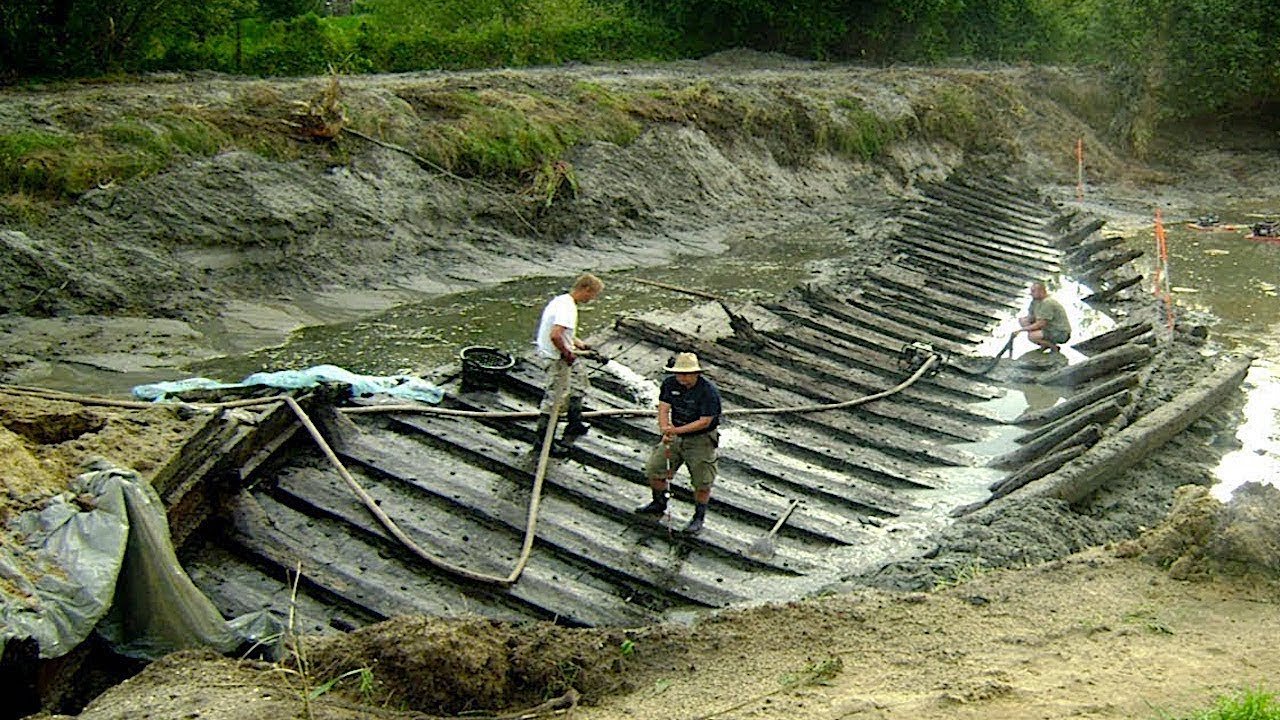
1169, 57
90, 37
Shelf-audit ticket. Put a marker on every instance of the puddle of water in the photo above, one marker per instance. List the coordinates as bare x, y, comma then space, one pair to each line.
1235, 279
1258, 459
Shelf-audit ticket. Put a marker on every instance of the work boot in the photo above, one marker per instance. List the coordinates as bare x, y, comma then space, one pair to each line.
658, 506
576, 428
558, 449
695, 523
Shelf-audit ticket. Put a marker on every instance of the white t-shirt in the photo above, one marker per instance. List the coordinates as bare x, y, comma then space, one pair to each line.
562, 310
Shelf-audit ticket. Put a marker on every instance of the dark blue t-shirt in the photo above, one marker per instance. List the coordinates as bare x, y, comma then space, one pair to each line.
689, 404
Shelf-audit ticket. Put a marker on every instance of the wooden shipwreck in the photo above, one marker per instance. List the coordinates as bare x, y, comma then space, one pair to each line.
268, 503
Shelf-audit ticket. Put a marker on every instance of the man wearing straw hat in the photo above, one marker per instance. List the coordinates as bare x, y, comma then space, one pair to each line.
688, 418
557, 342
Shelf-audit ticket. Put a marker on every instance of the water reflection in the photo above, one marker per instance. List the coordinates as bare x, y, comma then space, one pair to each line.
1085, 321
1234, 278
1258, 459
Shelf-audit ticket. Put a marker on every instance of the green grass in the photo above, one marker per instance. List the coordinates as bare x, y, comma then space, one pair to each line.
1246, 705
858, 133
61, 166
516, 136
497, 133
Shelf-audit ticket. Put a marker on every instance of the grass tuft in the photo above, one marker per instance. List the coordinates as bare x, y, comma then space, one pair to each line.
1247, 705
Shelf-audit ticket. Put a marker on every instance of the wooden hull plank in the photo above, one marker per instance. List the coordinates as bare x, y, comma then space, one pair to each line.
756, 466
784, 378
349, 568
550, 585
819, 354
982, 241
566, 528
595, 482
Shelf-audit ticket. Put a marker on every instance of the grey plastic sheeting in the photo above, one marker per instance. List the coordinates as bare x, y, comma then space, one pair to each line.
101, 556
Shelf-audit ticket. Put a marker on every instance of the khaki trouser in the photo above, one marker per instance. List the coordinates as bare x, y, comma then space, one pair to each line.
696, 451
562, 377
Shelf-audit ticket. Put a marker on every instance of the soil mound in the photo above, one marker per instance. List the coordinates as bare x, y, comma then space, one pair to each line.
448, 667
45, 443
1202, 537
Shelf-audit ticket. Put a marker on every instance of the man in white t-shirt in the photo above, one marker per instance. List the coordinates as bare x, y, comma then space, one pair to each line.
566, 375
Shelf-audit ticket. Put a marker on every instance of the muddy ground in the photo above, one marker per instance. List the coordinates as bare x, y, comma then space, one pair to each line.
1002, 620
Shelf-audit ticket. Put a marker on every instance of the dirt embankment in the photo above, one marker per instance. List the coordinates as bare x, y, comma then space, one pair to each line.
237, 249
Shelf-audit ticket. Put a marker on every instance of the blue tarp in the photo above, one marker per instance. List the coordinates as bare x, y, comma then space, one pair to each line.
404, 386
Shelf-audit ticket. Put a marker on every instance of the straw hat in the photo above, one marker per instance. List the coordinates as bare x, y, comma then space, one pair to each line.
685, 363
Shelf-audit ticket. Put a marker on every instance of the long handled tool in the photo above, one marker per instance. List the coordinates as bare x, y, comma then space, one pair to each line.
764, 548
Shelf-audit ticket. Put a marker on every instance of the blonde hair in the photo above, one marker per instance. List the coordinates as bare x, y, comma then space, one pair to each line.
587, 281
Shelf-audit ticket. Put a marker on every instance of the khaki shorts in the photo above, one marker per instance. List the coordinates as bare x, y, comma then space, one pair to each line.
696, 451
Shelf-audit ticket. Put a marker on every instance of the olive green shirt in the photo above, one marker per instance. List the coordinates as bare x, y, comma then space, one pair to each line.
1055, 316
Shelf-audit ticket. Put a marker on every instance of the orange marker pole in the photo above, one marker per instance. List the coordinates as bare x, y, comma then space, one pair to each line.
1080, 169
1159, 269
1163, 287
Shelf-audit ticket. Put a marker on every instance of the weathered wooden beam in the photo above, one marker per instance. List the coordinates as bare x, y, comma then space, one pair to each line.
1122, 399
1113, 338
926, 289
1045, 465
989, 208
1103, 412
564, 528
825, 338
1097, 366
1003, 277
1017, 196
1015, 192
1106, 264
610, 479
982, 240
1080, 254
888, 326
207, 468
1078, 400
820, 392
846, 490
881, 299
1075, 236
1111, 289
1121, 451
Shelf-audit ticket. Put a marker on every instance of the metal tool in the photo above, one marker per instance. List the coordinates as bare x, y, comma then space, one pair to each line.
766, 546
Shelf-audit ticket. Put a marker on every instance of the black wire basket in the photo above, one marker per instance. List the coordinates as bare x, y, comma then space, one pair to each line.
484, 367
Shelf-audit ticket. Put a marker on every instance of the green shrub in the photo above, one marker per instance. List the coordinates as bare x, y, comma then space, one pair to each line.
1247, 705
